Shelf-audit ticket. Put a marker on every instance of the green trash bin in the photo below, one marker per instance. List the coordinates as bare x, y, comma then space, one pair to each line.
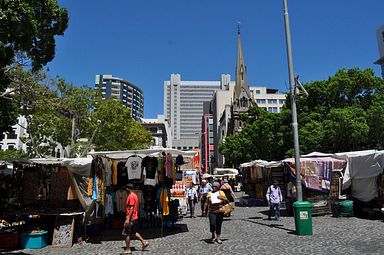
303, 217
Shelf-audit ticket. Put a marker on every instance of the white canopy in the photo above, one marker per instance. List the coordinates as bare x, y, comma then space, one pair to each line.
361, 172
316, 154
222, 171
262, 163
152, 152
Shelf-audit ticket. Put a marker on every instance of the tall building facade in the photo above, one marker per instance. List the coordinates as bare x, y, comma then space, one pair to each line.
160, 131
380, 43
269, 99
183, 107
129, 94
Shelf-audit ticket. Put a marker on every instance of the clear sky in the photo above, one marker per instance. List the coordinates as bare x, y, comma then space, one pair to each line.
145, 41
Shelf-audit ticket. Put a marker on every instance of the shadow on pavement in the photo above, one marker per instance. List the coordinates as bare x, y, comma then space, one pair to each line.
273, 225
8, 252
148, 233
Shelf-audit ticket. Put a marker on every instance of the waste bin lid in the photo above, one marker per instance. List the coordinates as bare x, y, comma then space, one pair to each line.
302, 204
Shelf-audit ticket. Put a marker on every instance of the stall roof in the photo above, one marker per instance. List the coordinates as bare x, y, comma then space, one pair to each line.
316, 154
361, 172
231, 171
127, 153
262, 163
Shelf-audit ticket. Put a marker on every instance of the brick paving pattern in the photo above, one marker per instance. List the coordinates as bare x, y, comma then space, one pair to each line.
247, 231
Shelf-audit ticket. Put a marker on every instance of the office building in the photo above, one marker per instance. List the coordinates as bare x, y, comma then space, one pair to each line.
129, 94
183, 107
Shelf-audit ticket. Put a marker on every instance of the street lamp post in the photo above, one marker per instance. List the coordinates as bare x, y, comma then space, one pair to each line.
293, 103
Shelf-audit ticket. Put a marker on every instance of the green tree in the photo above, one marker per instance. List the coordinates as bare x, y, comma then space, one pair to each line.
27, 37
116, 129
12, 154
343, 113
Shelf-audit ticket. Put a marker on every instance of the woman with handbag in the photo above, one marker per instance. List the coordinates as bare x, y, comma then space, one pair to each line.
216, 200
228, 191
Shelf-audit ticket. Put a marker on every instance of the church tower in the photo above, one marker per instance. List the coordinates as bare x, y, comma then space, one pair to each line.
242, 98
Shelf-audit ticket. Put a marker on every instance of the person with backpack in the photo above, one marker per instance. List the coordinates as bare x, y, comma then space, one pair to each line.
274, 198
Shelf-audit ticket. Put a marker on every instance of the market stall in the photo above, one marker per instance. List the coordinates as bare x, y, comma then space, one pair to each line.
257, 177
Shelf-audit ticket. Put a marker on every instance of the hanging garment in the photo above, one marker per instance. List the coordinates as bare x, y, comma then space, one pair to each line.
120, 200
114, 172
108, 172
168, 165
163, 195
133, 166
108, 204
122, 176
161, 168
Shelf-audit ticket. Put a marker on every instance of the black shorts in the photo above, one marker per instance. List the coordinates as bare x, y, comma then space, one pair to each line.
130, 229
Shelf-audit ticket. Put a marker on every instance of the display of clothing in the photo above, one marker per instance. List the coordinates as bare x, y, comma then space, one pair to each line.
108, 204
120, 199
168, 165
122, 176
108, 172
114, 172
133, 166
163, 197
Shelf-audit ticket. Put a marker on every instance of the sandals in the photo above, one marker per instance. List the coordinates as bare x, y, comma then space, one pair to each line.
219, 241
145, 245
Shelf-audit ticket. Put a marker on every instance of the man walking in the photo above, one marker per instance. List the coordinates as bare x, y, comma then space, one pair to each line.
274, 198
131, 220
204, 189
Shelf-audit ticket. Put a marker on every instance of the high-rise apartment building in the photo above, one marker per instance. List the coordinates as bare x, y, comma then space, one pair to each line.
129, 94
380, 43
183, 107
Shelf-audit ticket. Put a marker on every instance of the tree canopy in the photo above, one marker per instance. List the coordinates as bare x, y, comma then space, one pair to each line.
27, 37
343, 113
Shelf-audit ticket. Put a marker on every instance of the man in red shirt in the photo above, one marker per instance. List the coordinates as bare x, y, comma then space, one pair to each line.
132, 216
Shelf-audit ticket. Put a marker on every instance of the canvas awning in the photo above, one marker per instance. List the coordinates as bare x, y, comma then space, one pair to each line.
145, 152
361, 172
222, 171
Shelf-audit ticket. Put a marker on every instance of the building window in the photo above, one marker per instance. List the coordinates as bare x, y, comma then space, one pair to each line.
257, 91
272, 101
260, 101
282, 101
11, 146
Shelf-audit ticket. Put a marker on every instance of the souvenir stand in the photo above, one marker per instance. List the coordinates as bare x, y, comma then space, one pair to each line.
320, 175
37, 196
153, 172
258, 176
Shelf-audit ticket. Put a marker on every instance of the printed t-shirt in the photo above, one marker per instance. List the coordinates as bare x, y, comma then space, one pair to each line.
134, 167
132, 200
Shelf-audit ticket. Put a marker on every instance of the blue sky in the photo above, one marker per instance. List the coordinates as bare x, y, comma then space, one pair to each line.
144, 41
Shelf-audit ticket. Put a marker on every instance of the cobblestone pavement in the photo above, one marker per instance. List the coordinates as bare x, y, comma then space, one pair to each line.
247, 231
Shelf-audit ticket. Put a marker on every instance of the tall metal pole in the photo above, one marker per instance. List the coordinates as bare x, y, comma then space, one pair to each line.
293, 103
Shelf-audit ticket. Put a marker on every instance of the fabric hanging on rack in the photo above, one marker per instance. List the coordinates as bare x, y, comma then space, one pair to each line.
133, 166
120, 200
114, 172
108, 204
161, 168
149, 166
163, 196
108, 172
122, 176
168, 165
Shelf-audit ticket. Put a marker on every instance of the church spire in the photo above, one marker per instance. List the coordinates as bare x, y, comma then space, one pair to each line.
241, 87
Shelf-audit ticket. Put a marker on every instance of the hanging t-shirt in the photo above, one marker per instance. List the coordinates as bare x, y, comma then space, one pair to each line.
108, 204
134, 167
149, 165
120, 199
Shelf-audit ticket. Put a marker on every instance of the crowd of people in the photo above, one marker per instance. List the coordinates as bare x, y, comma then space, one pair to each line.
213, 197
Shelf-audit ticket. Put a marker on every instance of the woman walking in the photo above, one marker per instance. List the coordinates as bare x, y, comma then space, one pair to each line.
215, 200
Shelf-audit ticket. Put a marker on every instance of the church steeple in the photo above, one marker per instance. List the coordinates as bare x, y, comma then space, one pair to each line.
241, 87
